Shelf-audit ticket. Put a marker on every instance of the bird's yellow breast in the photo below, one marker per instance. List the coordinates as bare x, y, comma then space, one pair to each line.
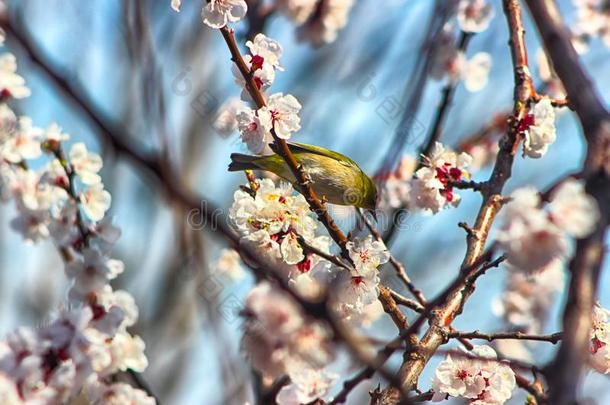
335, 181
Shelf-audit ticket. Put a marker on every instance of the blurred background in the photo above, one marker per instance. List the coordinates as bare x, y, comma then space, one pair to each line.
163, 77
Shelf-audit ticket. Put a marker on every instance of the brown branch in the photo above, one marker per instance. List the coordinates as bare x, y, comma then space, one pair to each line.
534, 388
331, 258
552, 338
566, 370
391, 308
404, 301
467, 185
492, 200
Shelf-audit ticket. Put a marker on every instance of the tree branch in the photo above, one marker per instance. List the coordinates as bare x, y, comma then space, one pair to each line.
565, 372
492, 201
552, 338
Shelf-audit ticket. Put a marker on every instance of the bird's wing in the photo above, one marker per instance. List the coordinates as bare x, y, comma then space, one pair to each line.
317, 150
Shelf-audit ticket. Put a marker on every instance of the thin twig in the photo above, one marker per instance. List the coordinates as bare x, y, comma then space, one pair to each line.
404, 301
467, 185
331, 258
551, 338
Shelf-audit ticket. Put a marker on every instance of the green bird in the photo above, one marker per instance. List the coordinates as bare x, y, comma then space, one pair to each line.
335, 177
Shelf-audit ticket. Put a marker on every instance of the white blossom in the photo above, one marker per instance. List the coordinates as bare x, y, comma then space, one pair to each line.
448, 61
474, 15
217, 13
355, 297
475, 71
226, 119
229, 265
24, 144
85, 164
263, 76
55, 134
592, 20
527, 299
573, 210
298, 11
476, 375
255, 127
127, 352
431, 188
277, 335
396, 190
267, 49
175, 4
284, 111
306, 385
599, 345
528, 236
10, 81
95, 201
367, 253
539, 129
91, 272
313, 274
329, 19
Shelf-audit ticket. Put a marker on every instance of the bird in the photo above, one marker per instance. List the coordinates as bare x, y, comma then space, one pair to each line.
335, 178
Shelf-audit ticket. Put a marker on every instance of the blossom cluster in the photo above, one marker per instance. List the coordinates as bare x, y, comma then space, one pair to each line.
280, 340
527, 299
600, 340
275, 221
538, 128
431, 187
217, 13
355, 294
526, 304
592, 21
319, 22
534, 237
81, 349
64, 200
476, 375
280, 112
450, 61
279, 223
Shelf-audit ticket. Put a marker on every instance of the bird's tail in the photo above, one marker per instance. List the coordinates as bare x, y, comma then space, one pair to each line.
241, 162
